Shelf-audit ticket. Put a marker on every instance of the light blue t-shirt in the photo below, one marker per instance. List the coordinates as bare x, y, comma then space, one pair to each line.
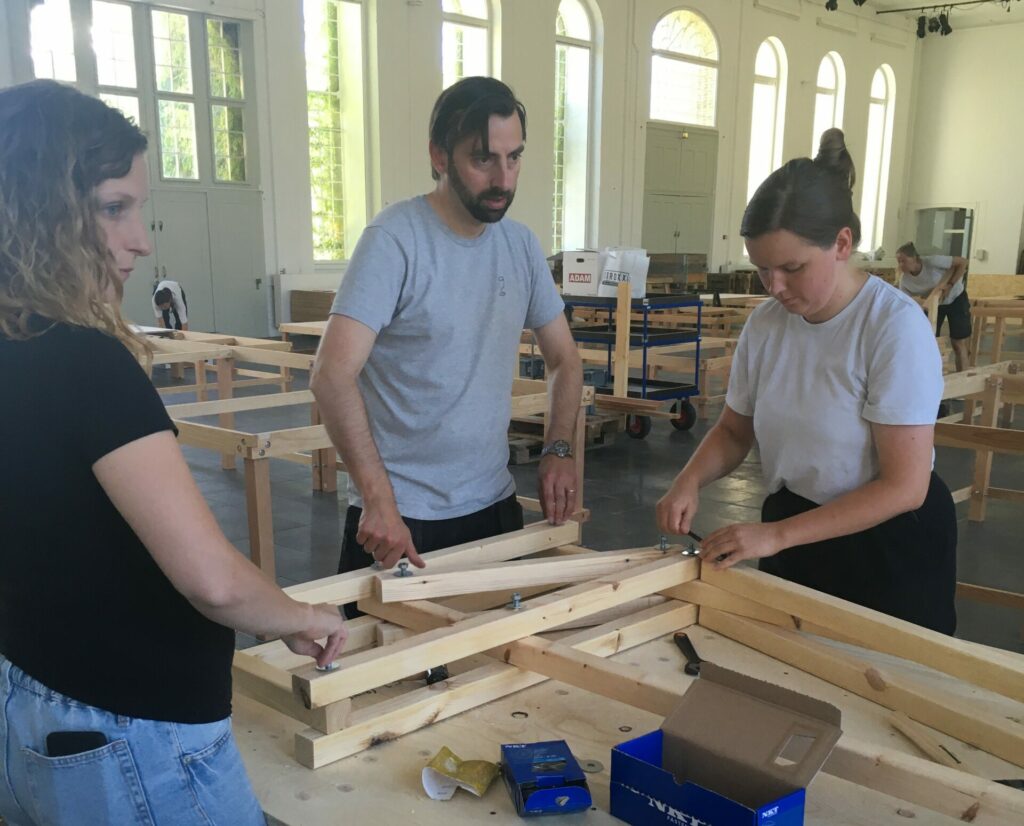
448, 312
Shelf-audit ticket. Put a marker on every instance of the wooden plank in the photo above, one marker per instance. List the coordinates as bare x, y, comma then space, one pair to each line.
1006, 494
210, 437
954, 793
524, 573
361, 634
252, 355
469, 636
526, 405
390, 719
942, 711
991, 400
226, 419
259, 513
980, 437
998, 671
920, 737
291, 440
620, 357
962, 494
236, 405
992, 596
356, 585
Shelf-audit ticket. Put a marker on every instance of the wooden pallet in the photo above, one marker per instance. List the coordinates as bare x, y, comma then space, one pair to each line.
526, 435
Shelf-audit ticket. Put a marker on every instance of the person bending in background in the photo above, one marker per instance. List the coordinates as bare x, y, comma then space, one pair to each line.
838, 379
170, 306
922, 276
118, 591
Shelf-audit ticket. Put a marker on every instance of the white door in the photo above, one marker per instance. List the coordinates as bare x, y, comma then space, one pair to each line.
679, 188
182, 243
240, 283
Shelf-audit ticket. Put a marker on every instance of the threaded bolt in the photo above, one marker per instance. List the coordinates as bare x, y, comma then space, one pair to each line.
663, 543
403, 569
517, 601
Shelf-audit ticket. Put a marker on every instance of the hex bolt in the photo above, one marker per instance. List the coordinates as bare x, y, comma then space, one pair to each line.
403, 569
517, 601
663, 543
377, 565
329, 667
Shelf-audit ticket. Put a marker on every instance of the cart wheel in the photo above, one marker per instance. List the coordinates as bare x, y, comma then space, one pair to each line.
687, 415
638, 426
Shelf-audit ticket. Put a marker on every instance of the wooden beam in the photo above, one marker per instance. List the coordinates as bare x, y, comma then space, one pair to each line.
620, 358
999, 671
1006, 494
356, 585
524, 573
235, 405
922, 738
469, 636
253, 355
260, 515
942, 711
992, 596
983, 458
980, 437
220, 439
391, 719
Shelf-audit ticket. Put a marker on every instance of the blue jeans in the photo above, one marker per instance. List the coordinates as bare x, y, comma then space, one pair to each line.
149, 772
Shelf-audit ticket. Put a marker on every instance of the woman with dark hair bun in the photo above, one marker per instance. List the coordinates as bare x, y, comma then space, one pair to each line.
838, 379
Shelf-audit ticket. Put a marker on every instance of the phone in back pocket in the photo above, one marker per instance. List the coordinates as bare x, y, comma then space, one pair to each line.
67, 743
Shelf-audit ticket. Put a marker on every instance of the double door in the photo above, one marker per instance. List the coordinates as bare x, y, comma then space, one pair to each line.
210, 242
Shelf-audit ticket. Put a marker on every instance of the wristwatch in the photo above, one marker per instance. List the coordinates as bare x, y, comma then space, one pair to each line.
560, 448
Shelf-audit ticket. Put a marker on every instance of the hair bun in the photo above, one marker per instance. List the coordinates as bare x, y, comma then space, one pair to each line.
833, 154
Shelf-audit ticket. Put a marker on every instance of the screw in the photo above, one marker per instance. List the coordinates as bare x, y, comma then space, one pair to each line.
329, 667
403, 569
377, 565
663, 543
517, 601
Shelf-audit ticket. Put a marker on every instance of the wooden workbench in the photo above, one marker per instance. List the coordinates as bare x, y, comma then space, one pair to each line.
382, 784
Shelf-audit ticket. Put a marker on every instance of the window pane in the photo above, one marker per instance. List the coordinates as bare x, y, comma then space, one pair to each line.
171, 49
463, 52
178, 140
824, 117
683, 92
469, 8
128, 104
878, 90
225, 57
572, 20
872, 167
572, 125
762, 136
114, 44
228, 143
826, 73
685, 32
53, 42
766, 64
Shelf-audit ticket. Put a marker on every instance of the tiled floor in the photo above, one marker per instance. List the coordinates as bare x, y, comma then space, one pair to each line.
624, 480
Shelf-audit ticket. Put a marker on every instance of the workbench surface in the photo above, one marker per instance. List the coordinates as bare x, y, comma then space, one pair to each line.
381, 786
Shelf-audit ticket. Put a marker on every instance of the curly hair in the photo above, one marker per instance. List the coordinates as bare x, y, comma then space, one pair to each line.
56, 146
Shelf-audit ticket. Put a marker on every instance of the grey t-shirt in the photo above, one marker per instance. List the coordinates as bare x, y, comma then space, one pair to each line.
448, 313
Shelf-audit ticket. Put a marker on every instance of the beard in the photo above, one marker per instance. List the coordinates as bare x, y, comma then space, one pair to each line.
474, 204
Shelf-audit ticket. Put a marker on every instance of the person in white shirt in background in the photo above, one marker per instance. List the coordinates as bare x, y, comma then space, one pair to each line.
838, 379
921, 276
170, 305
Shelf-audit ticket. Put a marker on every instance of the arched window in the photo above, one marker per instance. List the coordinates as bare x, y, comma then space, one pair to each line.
573, 60
876, 159
465, 40
684, 70
768, 114
335, 103
829, 98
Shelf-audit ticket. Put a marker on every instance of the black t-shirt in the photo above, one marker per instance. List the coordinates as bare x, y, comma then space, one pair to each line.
84, 608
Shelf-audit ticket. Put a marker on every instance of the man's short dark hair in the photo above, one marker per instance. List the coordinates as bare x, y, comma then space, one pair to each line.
909, 250
465, 108
163, 296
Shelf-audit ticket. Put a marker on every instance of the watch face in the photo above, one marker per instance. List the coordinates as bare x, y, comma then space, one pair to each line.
559, 448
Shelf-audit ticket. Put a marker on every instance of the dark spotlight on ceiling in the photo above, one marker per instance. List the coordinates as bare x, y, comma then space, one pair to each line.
859, 2
933, 25
944, 26
831, 5
922, 26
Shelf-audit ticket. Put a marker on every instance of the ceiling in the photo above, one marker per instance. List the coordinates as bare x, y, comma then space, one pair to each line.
984, 14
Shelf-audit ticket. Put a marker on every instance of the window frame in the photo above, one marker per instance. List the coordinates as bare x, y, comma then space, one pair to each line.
881, 183
487, 24
684, 58
778, 83
838, 95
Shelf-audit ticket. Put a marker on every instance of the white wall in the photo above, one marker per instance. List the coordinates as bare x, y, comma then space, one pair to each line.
968, 130
403, 68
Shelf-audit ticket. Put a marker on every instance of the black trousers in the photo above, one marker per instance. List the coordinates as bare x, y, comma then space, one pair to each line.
904, 567
503, 516
958, 311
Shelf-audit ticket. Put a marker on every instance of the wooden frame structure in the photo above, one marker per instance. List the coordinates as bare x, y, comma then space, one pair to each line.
998, 311
308, 445
648, 592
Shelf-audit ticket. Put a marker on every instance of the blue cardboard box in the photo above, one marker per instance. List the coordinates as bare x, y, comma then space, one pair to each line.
735, 751
544, 778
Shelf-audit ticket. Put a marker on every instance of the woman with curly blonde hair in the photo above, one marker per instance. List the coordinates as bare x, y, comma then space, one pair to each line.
116, 616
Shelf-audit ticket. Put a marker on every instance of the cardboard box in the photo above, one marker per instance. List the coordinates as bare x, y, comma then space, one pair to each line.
580, 272
734, 751
544, 778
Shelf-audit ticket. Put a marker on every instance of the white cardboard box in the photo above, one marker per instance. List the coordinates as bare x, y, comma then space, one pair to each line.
580, 272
